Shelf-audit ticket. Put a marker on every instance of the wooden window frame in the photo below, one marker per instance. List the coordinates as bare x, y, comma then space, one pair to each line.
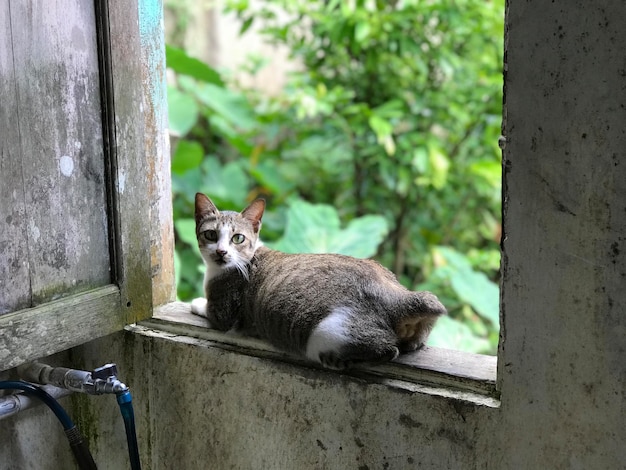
127, 37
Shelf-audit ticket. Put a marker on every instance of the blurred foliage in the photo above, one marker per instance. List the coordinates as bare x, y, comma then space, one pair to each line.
390, 127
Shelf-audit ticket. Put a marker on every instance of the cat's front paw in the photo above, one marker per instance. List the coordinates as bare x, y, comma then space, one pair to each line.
199, 307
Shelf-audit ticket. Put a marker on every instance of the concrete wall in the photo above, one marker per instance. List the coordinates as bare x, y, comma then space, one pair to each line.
562, 364
563, 361
204, 407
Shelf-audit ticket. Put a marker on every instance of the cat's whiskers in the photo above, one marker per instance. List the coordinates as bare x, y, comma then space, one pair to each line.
242, 266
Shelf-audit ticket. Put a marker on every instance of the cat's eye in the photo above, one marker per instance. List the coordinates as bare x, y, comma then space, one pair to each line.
210, 236
238, 238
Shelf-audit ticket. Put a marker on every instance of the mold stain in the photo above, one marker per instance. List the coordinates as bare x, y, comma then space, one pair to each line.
408, 422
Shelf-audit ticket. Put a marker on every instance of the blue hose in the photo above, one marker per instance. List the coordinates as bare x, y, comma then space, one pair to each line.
124, 400
77, 443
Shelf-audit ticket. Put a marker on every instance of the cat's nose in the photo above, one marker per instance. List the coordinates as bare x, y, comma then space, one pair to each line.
220, 252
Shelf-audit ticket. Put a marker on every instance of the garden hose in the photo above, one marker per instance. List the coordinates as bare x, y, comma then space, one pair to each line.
77, 443
124, 400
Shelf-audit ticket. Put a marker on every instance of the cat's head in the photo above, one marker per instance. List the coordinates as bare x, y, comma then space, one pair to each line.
227, 239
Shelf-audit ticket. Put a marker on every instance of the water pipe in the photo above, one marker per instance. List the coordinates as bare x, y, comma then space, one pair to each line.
77, 443
13, 404
102, 380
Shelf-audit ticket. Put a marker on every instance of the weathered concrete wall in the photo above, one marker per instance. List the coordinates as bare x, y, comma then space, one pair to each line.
562, 363
203, 407
34, 440
563, 360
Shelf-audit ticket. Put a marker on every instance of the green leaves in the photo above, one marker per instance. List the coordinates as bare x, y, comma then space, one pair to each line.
383, 129
361, 31
452, 334
472, 300
182, 64
186, 230
231, 110
316, 229
231, 107
188, 156
269, 176
188, 265
472, 287
227, 185
439, 166
395, 107
182, 111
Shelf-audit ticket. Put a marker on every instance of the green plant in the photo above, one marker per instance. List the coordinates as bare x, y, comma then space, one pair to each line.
231, 184
396, 112
316, 229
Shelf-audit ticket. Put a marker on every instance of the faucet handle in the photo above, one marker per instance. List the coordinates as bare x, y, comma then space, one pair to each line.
104, 372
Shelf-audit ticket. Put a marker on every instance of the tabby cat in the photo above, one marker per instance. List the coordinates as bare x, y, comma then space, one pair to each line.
334, 309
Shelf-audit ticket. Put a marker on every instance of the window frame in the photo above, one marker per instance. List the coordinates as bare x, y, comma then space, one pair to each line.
124, 40
463, 375
131, 54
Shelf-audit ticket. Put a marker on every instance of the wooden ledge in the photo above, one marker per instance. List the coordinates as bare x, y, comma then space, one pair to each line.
466, 376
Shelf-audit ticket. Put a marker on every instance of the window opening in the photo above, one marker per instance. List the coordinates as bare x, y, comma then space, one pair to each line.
387, 113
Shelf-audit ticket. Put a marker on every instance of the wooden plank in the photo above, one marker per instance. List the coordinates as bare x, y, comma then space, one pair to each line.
449, 361
475, 373
156, 142
83, 82
55, 326
14, 270
56, 71
131, 164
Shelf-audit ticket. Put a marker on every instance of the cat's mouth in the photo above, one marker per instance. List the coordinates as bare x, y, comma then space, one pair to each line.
220, 260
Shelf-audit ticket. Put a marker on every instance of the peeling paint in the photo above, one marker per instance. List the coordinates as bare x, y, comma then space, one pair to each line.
154, 108
66, 165
121, 182
34, 231
153, 49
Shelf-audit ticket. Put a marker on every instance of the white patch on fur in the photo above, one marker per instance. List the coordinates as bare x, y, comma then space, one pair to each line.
223, 241
330, 335
198, 306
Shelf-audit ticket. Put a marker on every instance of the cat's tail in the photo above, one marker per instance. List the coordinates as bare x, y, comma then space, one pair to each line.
414, 327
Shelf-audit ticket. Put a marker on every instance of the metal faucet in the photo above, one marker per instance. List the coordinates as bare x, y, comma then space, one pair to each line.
100, 381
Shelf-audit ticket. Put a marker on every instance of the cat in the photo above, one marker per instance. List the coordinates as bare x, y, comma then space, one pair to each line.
335, 310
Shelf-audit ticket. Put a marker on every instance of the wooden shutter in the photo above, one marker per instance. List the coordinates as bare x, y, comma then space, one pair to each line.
74, 174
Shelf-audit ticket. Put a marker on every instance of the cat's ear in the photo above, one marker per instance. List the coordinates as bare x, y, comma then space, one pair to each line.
254, 212
204, 207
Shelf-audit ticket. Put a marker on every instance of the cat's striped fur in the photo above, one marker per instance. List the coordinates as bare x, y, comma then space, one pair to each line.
334, 309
